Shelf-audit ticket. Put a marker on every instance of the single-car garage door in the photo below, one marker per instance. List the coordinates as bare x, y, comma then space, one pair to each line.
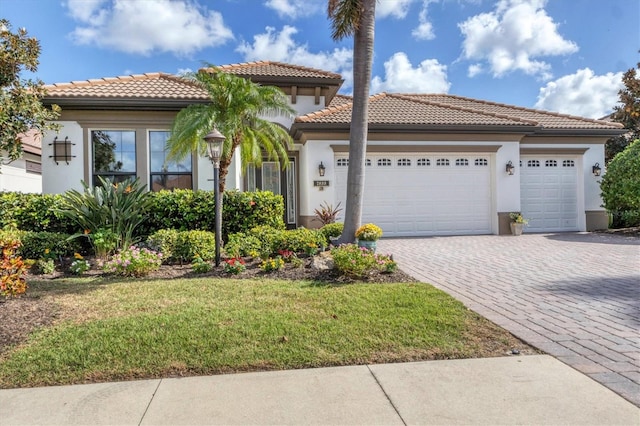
549, 193
420, 195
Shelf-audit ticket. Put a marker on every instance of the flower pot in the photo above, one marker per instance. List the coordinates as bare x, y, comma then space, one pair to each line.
369, 245
516, 228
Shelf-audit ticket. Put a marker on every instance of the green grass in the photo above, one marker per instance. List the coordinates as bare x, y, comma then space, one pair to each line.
118, 330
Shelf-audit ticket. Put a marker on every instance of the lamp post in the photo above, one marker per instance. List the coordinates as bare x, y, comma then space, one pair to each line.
214, 140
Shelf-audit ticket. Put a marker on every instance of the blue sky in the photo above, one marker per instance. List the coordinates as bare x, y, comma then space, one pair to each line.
560, 55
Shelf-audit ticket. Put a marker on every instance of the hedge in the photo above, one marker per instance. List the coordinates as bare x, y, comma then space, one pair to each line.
179, 209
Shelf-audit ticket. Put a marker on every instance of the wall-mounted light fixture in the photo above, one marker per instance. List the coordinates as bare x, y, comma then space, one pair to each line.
509, 168
61, 150
596, 169
321, 169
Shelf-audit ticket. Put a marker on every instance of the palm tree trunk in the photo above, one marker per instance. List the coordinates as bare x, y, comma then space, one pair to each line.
362, 62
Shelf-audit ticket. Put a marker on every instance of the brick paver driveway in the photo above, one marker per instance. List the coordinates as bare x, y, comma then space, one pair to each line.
576, 296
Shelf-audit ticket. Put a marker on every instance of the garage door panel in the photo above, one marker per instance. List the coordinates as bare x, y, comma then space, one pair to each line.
549, 194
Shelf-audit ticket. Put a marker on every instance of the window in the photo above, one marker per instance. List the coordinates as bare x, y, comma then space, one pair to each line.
342, 162
404, 162
442, 162
481, 162
367, 162
384, 162
551, 163
462, 162
423, 162
568, 163
166, 174
114, 154
533, 163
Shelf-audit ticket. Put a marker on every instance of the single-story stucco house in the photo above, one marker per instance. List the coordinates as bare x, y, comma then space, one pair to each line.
24, 174
437, 164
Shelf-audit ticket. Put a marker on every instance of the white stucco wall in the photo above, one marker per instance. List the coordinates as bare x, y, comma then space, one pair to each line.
507, 187
13, 177
592, 197
61, 177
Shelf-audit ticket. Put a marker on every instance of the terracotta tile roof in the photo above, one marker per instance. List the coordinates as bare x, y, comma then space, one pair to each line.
543, 118
448, 110
340, 100
403, 109
149, 86
277, 69
31, 142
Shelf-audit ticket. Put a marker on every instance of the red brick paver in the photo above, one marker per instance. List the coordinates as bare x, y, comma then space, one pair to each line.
576, 296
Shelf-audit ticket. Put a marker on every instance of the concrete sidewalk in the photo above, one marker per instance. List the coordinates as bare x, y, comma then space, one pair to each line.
511, 390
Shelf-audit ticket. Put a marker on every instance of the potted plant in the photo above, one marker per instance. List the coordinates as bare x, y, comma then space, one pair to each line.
367, 235
518, 222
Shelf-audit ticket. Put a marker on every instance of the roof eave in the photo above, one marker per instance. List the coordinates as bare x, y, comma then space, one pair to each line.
92, 103
581, 132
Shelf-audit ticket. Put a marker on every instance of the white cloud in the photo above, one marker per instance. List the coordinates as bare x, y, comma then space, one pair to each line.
400, 76
583, 94
424, 31
280, 46
181, 27
294, 8
475, 69
510, 37
395, 8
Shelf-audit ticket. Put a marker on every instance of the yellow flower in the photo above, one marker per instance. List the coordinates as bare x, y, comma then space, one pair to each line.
47, 251
77, 256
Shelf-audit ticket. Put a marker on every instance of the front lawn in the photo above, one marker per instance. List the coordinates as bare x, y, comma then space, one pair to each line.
109, 330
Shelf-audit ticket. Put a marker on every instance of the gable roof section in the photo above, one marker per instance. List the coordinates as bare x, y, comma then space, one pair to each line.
157, 90
278, 70
440, 112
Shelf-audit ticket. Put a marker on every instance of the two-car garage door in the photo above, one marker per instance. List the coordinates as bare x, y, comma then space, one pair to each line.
424, 194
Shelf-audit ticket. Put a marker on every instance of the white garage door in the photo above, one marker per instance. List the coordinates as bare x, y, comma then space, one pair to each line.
549, 191
419, 195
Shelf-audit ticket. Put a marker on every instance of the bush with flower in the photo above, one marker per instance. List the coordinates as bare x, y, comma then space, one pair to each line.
369, 232
358, 262
80, 265
272, 264
234, 266
517, 217
133, 262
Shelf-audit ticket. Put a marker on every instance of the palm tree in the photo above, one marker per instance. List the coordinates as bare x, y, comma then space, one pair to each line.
356, 18
237, 108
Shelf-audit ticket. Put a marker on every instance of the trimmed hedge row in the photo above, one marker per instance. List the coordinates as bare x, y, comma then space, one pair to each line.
179, 209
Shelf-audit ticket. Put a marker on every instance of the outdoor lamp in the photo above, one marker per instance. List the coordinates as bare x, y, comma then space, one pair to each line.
596, 169
321, 169
214, 140
509, 168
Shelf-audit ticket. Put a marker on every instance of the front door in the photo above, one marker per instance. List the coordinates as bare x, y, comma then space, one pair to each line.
270, 177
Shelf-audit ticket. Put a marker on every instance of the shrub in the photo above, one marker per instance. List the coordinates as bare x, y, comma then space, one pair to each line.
199, 266
12, 267
332, 230
302, 240
116, 207
134, 262
358, 262
44, 266
164, 241
35, 245
242, 245
271, 240
192, 243
242, 211
33, 212
621, 186
234, 266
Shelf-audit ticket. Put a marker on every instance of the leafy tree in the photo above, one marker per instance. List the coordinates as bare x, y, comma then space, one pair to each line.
20, 106
621, 186
356, 18
628, 114
236, 110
